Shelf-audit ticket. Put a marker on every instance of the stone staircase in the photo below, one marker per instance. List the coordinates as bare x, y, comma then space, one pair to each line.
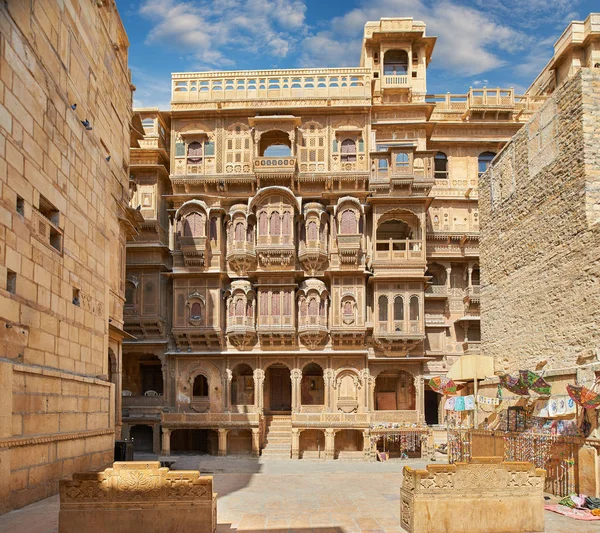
278, 443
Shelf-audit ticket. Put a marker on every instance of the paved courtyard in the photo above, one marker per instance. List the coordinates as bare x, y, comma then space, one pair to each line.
290, 497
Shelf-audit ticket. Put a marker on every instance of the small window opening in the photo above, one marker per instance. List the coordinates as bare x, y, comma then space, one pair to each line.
76, 295
20, 206
11, 281
48, 210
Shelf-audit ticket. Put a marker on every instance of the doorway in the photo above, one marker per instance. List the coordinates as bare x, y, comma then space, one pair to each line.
432, 403
279, 386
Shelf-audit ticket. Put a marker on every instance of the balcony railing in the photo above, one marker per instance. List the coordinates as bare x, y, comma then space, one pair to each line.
395, 81
398, 328
484, 97
437, 290
272, 84
406, 250
274, 165
240, 324
240, 247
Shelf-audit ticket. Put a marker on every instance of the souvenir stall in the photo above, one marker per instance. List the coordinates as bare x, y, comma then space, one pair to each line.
400, 441
531, 425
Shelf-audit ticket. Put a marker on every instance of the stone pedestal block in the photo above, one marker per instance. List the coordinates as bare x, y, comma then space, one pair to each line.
138, 496
489, 496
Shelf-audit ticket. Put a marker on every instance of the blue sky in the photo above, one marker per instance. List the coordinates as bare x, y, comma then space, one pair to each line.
480, 42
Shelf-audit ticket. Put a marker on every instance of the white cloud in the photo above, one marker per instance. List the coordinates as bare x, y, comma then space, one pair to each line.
212, 31
467, 37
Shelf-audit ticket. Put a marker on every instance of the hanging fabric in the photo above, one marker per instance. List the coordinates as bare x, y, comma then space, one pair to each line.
534, 382
585, 397
514, 385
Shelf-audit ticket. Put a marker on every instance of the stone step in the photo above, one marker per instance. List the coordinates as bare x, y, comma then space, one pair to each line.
277, 454
351, 456
280, 431
281, 440
313, 455
278, 446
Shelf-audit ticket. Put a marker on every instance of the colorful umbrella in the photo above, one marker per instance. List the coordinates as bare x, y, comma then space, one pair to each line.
534, 382
585, 397
443, 385
514, 385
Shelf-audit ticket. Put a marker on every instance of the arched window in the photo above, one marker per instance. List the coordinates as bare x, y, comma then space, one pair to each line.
313, 307
398, 308
275, 303
213, 229
197, 311
348, 224
395, 63
275, 224
286, 224
414, 308
475, 277
239, 307
323, 232
484, 160
200, 386
262, 224
130, 290
193, 225
402, 160
347, 308
194, 154
312, 231
441, 166
239, 234
287, 303
348, 150
250, 233
264, 303
383, 308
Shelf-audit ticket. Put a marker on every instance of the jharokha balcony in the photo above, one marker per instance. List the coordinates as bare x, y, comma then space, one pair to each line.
313, 255
349, 247
241, 256
194, 250
312, 330
275, 167
275, 252
401, 339
241, 331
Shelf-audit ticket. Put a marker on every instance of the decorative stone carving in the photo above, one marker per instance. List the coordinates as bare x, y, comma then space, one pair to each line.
136, 496
432, 500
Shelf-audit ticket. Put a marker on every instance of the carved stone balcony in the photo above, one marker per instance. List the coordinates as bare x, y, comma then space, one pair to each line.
275, 167
312, 330
313, 255
194, 338
273, 252
436, 292
399, 252
472, 347
241, 331
194, 250
397, 338
349, 247
395, 82
348, 336
241, 256
277, 334
473, 294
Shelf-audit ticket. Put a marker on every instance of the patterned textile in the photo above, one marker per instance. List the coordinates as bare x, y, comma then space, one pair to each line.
585, 397
443, 385
534, 382
459, 403
449, 405
469, 403
514, 385
577, 514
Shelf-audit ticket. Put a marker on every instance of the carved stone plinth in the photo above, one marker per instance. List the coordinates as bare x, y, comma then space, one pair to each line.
137, 496
485, 496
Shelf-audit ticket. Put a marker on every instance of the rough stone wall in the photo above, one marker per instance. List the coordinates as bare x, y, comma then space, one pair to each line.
61, 269
540, 237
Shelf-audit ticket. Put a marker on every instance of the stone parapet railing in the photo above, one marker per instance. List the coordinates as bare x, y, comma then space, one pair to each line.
485, 496
137, 496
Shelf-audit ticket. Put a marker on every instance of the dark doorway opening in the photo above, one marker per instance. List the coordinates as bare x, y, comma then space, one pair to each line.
142, 438
195, 441
432, 404
279, 388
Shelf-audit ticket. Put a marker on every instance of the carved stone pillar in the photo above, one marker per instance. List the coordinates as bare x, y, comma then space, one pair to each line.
296, 377
329, 443
171, 233
226, 382
364, 376
222, 442
448, 277
259, 381
255, 442
156, 439
367, 444
328, 384
371, 392
164, 366
420, 399
166, 441
292, 137
295, 443
469, 275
